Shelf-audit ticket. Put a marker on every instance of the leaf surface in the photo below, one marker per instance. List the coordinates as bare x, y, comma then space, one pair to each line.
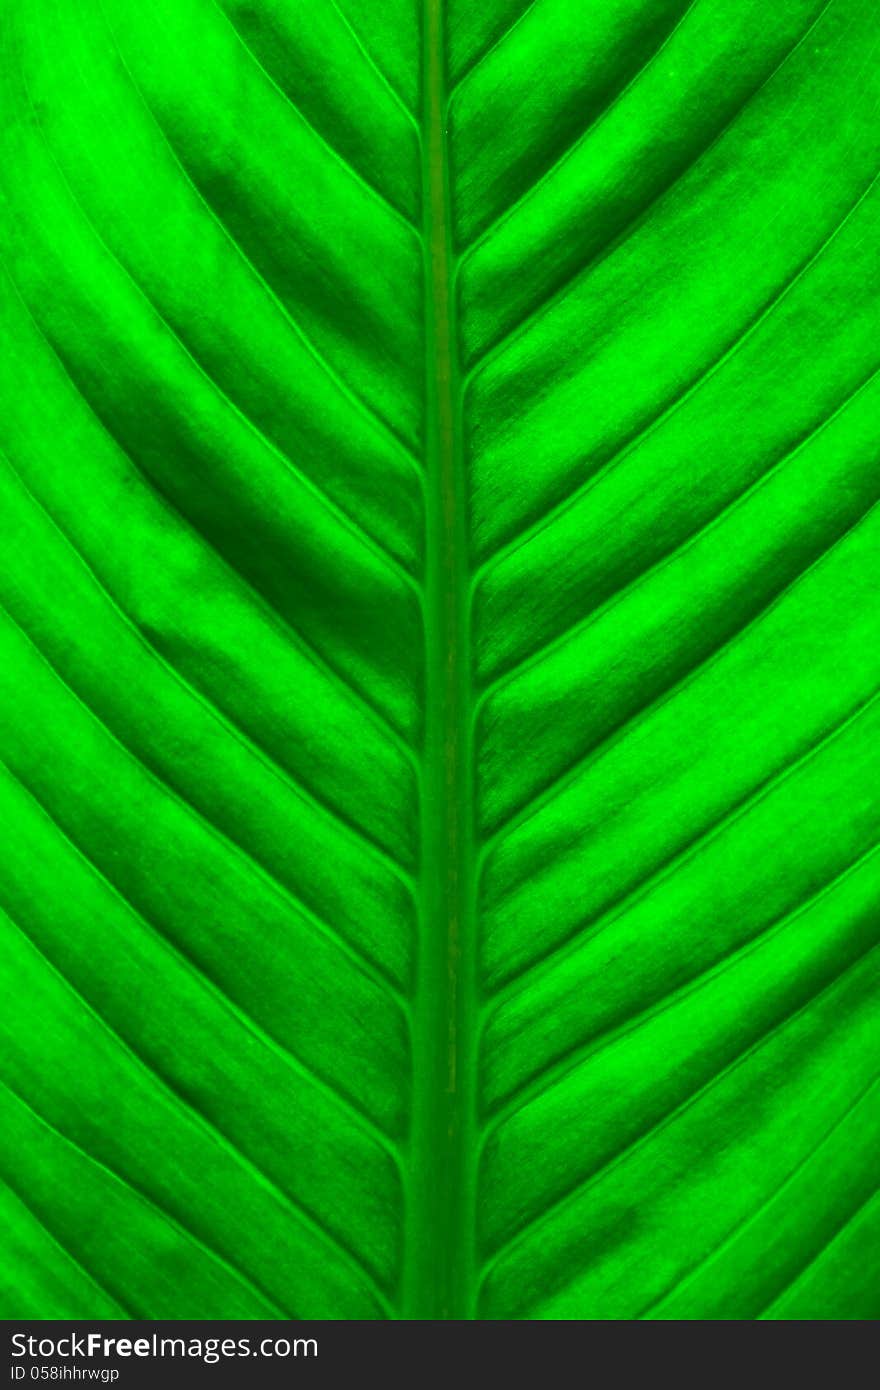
439, 659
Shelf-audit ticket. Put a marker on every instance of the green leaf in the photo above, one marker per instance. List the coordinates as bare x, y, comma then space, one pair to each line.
439, 659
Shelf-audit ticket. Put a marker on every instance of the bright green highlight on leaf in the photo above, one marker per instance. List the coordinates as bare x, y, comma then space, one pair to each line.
439, 659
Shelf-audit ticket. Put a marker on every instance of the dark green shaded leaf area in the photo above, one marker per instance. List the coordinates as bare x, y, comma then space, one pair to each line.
439, 659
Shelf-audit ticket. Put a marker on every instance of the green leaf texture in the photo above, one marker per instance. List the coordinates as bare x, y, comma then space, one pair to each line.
440, 659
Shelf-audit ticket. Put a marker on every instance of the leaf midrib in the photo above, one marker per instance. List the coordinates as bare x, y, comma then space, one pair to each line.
439, 1258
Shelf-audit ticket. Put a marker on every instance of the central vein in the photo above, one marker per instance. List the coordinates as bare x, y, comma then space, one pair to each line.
439, 1259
